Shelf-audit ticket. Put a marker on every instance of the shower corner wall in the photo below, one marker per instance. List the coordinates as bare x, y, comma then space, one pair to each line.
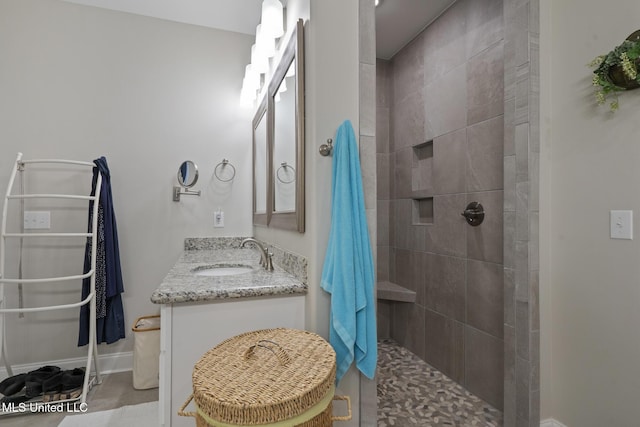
440, 139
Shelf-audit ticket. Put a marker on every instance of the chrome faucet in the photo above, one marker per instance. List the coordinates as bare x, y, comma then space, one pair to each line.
265, 255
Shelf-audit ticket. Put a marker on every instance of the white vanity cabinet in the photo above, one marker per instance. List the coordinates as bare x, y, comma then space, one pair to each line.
190, 329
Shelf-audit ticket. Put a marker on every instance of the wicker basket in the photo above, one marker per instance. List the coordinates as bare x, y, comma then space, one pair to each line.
282, 377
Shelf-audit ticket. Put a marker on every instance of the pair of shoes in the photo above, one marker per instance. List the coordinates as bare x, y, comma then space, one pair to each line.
64, 385
12, 385
35, 379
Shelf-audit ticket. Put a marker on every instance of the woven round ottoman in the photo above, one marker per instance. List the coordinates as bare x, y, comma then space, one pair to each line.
272, 377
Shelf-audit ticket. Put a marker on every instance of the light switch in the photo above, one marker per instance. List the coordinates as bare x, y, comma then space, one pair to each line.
622, 225
37, 220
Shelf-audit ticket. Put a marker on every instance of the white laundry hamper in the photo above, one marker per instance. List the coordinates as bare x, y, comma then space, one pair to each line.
146, 352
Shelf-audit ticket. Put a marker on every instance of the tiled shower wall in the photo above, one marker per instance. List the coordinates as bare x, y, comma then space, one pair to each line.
440, 145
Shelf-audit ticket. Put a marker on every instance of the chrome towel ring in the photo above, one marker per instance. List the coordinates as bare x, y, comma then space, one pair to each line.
284, 166
221, 166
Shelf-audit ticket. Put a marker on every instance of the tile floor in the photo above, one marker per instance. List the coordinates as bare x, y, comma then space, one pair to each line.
115, 391
412, 393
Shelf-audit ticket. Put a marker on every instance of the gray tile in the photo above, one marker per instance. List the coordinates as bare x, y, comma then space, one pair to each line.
522, 152
383, 83
418, 277
383, 222
535, 360
392, 222
534, 181
484, 25
382, 265
522, 95
485, 242
449, 168
402, 222
392, 176
521, 33
382, 178
509, 240
384, 319
522, 329
402, 173
485, 158
382, 129
368, 170
509, 377
408, 326
445, 279
408, 69
509, 297
534, 241
509, 183
485, 85
445, 47
409, 121
367, 105
534, 299
449, 231
367, 31
392, 264
403, 269
522, 270
522, 210
509, 126
446, 345
534, 409
522, 389
485, 297
484, 366
445, 104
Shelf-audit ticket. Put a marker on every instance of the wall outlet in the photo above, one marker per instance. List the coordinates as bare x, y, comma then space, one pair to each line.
218, 219
37, 220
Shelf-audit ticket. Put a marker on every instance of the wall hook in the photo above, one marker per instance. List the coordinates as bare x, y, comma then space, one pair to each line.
325, 149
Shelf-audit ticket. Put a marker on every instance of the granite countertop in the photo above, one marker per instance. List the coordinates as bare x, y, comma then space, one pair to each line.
182, 285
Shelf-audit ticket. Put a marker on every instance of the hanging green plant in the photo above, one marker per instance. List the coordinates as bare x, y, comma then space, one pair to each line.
617, 71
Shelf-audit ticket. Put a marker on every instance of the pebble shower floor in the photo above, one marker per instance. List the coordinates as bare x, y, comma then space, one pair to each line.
413, 393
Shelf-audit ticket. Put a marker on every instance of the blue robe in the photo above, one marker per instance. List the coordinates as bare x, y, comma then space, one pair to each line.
109, 286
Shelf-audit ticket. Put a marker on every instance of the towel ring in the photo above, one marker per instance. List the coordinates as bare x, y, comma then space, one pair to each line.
284, 165
221, 165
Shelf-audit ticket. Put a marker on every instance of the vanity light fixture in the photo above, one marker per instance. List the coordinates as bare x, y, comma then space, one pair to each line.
272, 18
378, 2
270, 28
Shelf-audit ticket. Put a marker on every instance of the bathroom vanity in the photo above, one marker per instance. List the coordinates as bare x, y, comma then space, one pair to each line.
215, 291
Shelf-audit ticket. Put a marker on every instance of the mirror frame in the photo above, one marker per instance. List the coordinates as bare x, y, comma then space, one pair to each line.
294, 49
262, 113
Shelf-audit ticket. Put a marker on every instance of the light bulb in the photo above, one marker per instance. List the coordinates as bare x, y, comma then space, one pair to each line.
259, 63
272, 18
265, 44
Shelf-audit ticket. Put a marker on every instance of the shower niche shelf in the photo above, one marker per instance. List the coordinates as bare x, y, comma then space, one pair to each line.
423, 211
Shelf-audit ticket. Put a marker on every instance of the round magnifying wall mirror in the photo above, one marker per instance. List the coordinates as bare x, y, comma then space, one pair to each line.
188, 174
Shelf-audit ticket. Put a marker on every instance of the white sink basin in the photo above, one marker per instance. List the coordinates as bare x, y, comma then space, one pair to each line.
222, 270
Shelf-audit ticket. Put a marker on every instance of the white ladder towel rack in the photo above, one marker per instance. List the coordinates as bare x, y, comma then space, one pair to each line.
92, 348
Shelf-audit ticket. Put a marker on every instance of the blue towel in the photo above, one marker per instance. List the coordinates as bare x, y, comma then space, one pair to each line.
348, 273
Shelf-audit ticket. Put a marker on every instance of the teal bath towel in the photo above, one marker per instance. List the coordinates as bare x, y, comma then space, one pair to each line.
348, 273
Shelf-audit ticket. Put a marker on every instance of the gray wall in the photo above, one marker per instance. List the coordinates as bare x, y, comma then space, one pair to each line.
446, 88
79, 82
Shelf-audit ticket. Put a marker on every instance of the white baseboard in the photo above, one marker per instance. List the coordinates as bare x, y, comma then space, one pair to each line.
550, 422
109, 363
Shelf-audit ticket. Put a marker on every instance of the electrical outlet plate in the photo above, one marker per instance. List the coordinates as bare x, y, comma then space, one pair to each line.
37, 220
622, 225
218, 219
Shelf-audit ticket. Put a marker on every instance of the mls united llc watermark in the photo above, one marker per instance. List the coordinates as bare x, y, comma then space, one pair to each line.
24, 407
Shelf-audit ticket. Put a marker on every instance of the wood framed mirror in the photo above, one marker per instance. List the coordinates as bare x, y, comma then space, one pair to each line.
286, 136
261, 162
